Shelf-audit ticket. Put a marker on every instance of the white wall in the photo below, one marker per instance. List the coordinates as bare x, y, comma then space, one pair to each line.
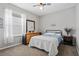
62, 19
77, 27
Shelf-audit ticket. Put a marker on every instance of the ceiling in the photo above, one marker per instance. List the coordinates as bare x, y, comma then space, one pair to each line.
54, 7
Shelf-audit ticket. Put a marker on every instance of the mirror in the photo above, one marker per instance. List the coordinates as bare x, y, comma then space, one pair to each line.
30, 26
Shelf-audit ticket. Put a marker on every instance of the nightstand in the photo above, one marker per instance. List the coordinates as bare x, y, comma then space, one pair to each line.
68, 40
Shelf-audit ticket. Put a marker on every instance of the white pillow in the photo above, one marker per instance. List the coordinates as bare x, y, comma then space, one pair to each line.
49, 34
58, 34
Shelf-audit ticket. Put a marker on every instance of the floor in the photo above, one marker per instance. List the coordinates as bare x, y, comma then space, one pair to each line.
66, 50
22, 50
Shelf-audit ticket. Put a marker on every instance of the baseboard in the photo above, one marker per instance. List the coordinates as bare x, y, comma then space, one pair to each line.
77, 50
10, 46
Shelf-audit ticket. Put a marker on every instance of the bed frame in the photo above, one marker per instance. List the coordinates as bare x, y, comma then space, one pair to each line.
55, 31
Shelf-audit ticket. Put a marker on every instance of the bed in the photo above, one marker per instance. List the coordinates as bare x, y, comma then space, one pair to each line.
49, 41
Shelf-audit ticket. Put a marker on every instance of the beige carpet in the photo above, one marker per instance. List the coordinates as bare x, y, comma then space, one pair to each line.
66, 50
22, 50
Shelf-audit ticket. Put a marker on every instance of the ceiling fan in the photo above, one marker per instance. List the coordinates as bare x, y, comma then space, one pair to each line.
41, 5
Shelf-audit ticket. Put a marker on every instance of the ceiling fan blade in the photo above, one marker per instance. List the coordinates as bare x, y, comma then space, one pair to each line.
35, 5
48, 4
42, 4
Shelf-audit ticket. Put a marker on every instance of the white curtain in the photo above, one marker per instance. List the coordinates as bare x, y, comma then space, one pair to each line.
8, 32
23, 20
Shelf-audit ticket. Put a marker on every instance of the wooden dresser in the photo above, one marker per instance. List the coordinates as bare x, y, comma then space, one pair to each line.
31, 34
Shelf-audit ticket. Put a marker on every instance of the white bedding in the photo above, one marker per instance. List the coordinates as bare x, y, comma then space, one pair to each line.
46, 43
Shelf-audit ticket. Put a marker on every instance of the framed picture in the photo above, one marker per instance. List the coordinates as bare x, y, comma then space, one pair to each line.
30, 26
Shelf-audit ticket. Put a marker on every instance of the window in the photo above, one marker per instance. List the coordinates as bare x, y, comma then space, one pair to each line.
16, 24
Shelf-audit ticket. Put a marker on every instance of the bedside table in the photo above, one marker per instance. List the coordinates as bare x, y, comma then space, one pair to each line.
68, 40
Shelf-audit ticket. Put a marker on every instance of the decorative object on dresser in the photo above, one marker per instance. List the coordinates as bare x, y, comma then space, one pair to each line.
31, 34
69, 40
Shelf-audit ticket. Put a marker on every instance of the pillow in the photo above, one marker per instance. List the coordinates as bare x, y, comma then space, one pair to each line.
59, 34
49, 34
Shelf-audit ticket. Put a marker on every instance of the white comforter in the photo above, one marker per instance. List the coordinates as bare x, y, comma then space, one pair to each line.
46, 43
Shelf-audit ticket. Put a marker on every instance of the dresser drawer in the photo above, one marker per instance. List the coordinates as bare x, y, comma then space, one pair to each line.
34, 35
31, 34
28, 36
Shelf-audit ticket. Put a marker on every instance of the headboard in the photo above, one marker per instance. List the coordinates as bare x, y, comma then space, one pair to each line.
54, 31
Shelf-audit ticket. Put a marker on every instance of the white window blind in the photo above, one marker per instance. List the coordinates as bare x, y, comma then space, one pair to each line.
17, 25
14, 25
1, 32
1, 23
8, 27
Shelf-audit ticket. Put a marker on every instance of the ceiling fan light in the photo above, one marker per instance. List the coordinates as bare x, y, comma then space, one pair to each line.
41, 7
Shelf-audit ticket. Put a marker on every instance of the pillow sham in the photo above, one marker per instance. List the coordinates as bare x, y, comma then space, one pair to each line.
49, 34
52, 34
